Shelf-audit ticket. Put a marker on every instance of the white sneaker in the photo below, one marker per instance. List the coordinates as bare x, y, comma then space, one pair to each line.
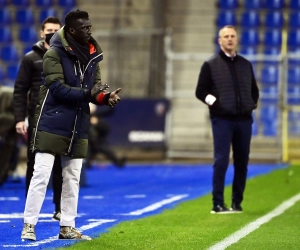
28, 232
71, 233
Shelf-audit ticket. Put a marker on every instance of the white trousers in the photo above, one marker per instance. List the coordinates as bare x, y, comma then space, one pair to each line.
71, 169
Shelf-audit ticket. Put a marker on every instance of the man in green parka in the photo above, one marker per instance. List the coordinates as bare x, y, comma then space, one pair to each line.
71, 81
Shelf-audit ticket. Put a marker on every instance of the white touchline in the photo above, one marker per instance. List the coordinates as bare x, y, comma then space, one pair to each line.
9, 198
157, 205
94, 223
134, 196
255, 224
91, 197
21, 215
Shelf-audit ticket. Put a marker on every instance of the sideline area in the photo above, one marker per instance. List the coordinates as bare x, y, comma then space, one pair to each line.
111, 196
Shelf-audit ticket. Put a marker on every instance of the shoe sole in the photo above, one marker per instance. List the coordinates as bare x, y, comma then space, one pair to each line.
224, 212
60, 237
236, 211
28, 238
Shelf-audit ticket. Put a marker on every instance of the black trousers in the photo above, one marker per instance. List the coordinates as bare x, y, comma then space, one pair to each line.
56, 171
9, 153
227, 133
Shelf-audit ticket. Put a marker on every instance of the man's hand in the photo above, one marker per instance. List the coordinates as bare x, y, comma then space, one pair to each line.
21, 128
98, 87
114, 98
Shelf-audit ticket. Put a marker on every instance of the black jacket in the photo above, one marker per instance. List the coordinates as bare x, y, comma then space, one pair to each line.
6, 110
28, 82
232, 82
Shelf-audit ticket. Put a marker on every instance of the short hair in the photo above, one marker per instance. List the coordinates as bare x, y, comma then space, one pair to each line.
226, 26
73, 16
50, 19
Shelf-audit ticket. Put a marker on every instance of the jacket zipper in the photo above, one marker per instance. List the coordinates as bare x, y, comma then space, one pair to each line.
75, 123
37, 124
237, 89
91, 61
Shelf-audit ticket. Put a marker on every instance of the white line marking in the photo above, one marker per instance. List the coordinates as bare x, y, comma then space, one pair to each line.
95, 223
255, 224
9, 198
134, 196
4, 221
157, 205
21, 215
90, 197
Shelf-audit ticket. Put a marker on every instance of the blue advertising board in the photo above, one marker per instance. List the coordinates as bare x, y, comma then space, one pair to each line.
137, 122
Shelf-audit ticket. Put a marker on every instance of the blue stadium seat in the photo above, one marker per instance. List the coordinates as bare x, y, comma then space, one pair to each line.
268, 112
227, 4
274, 19
44, 13
268, 117
9, 53
250, 19
293, 40
25, 16
226, 17
5, 34
272, 54
19, 3
269, 74
272, 37
272, 50
72, 3
12, 71
294, 58
28, 34
274, 4
269, 94
294, 20
294, 4
253, 4
5, 16
293, 94
248, 50
270, 128
293, 75
249, 37
44, 3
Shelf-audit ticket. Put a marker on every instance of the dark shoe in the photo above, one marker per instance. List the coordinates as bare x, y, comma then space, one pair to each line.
28, 232
121, 162
220, 209
71, 233
56, 216
236, 208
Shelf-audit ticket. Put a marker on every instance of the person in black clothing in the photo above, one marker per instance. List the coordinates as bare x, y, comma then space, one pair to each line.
26, 90
9, 150
227, 85
99, 129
